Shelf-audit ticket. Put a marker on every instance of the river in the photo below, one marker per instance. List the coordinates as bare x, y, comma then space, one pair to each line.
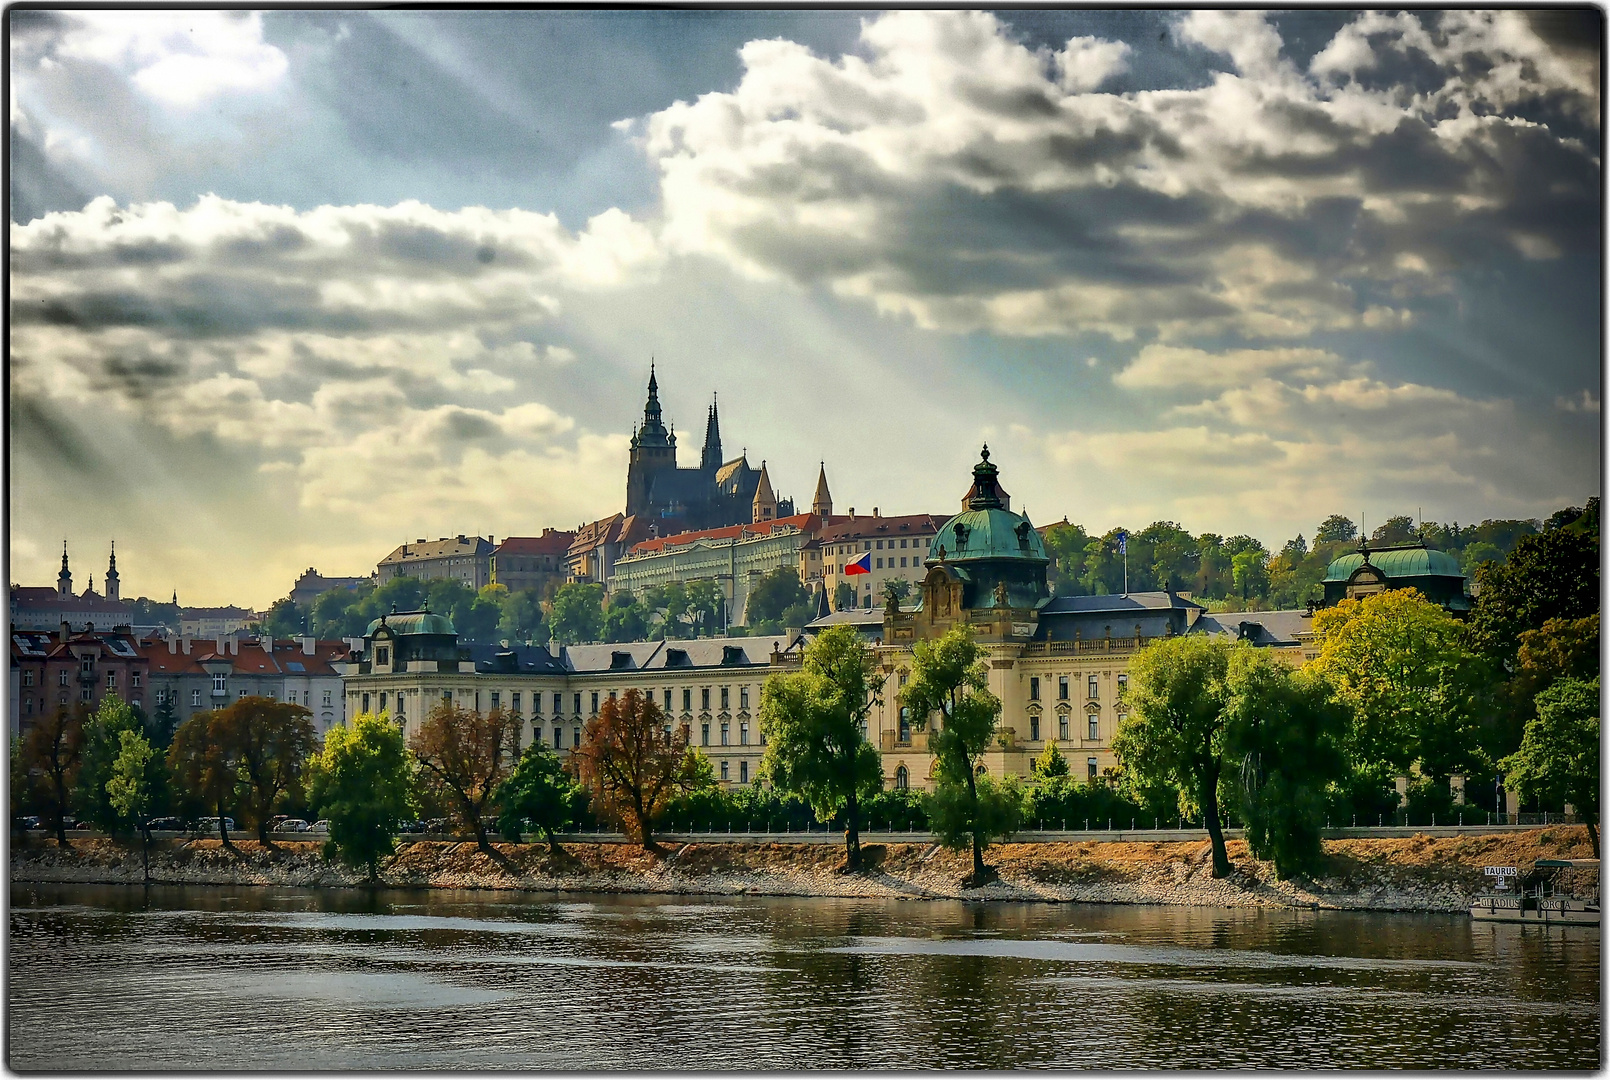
110, 977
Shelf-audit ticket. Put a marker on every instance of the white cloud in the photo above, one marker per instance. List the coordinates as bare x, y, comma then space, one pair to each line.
179, 58
963, 181
1581, 402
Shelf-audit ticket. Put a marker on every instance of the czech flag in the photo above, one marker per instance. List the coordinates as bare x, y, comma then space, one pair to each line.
862, 565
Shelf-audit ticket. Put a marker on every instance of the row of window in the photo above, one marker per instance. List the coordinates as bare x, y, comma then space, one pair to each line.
64, 677
1092, 728
516, 702
1093, 687
920, 543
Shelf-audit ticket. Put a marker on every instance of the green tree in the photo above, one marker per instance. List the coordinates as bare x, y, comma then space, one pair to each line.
363, 780
1250, 568
1050, 764
625, 619
1402, 664
1288, 730
103, 741
775, 593
705, 604
844, 597
577, 613
539, 795
1336, 528
52, 754
287, 619
1065, 543
671, 602
1175, 732
520, 618
1395, 530
814, 723
133, 786
163, 723
1558, 760
897, 589
950, 686
1552, 575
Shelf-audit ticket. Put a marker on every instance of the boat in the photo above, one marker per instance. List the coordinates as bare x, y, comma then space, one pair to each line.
1555, 892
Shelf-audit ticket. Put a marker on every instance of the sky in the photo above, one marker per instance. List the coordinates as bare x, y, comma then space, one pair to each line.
290, 288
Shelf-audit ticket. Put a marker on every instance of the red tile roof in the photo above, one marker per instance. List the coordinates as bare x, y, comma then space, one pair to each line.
551, 542
806, 523
874, 528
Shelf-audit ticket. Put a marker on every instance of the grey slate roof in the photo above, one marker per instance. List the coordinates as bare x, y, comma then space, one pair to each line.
1269, 628
673, 654
1120, 604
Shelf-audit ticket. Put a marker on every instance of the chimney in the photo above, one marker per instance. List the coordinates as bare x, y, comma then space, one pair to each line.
852, 513
173, 646
187, 645
875, 512
267, 641
65, 631
307, 646
219, 647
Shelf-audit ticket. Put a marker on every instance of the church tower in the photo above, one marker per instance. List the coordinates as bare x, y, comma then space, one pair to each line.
710, 459
653, 449
64, 580
111, 575
822, 504
764, 507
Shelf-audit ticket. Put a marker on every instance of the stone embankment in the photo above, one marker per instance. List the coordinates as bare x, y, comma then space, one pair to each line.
1417, 873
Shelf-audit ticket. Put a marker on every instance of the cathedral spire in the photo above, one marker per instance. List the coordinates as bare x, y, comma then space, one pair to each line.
653, 432
822, 503
111, 575
710, 459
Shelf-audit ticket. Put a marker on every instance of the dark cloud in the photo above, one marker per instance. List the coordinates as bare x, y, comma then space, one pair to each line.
38, 186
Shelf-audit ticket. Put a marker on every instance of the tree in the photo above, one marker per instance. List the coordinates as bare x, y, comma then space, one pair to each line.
520, 618
1395, 530
52, 753
1552, 575
541, 795
950, 684
132, 787
632, 762
897, 589
844, 597
476, 617
577, 613
625, 619
1402, 664
103, 731
464, 755
164, 723
287, 619
1560, 648
202, 762
1065, 543
774, 594
1335, 528
1251, 570
363, 780
671, 601
1050, 764
1175, 731
270, 742
1288, 730
705, 604
1558, 759
814, 723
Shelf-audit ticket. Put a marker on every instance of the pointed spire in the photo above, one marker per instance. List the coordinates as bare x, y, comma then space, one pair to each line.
984, 495
652, 432
822, 503
64, 580
765, 504
111, 575
710, 458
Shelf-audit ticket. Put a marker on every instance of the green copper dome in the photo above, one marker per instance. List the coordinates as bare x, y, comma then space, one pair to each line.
986, 529
409, 623
1398, 563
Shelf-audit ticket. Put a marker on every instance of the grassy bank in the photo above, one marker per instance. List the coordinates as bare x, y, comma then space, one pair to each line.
1418, 873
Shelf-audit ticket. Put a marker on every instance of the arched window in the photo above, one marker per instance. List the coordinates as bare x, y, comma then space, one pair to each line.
902, 779
981, 771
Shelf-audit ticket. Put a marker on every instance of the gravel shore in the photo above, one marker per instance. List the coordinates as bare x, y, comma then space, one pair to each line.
1418, 873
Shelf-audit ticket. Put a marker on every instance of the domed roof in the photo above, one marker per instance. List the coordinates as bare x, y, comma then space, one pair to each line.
986, 529
1398, 562
408, 623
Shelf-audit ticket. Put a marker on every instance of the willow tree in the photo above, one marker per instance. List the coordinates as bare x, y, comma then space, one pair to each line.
949, 693
814, 723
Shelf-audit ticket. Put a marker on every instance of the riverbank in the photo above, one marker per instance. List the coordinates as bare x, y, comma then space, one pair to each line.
1418, 873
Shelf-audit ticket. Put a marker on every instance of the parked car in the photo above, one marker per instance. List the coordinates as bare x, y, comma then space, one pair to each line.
165, 824
294, 824
320, 826
410, 826
29, 822
434, 825
208, 826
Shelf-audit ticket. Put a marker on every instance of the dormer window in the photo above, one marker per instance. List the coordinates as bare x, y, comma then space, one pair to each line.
383, 655
732, 654
619, 660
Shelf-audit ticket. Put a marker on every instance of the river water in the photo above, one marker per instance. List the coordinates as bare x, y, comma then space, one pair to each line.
108, 977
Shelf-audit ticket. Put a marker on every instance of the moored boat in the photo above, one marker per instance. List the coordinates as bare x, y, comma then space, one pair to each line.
1552, 893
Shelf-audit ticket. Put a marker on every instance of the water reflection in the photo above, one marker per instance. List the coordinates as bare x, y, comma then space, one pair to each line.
298, 980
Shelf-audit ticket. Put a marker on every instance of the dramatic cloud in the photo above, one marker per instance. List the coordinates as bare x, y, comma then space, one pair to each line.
957, 177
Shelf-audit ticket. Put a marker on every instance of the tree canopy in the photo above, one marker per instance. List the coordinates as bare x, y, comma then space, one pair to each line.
539, 794
632, 762
1558, 759
463, 756
814, 722
365, 782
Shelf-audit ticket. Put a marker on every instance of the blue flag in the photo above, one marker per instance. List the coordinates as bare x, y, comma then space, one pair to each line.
1123, 543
